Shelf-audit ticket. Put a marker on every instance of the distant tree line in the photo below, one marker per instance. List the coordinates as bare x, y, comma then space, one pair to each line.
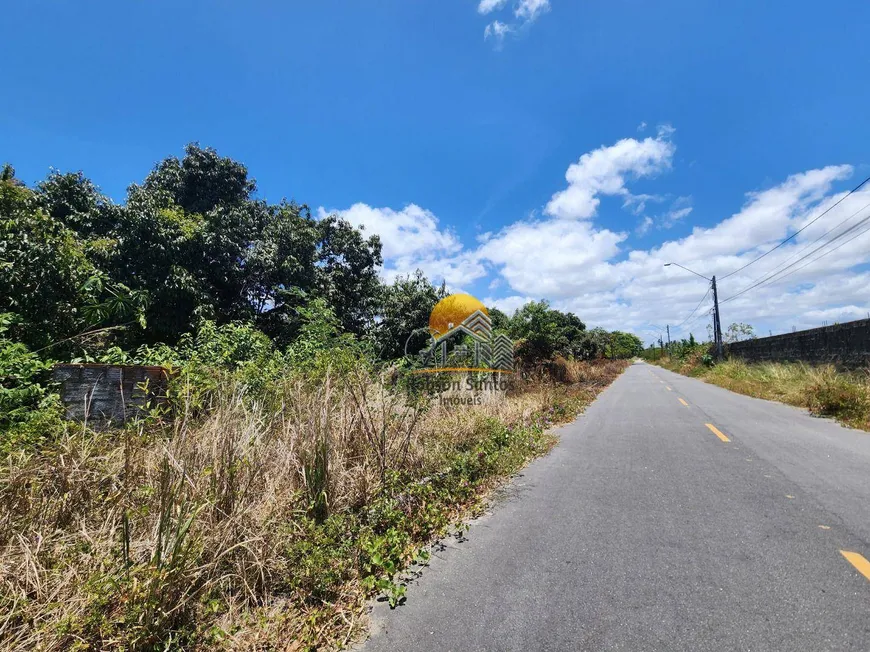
683, 348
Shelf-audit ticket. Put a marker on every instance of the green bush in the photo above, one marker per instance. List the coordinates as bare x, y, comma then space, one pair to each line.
29, 411
23, 378
321, 346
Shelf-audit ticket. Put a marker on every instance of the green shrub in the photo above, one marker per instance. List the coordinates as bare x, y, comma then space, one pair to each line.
25, 397
322, 346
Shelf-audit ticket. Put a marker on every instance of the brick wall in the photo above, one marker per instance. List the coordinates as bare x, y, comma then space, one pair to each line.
104, 393
845, 344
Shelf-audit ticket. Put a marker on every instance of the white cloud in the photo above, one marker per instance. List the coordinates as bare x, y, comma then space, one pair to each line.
604, 172
581, 266
508, 305
535, 257
665, 131
497, 30
637, 203
525, 12
645, 225
675, 216
488, 6
529, 10
410, 232
680, 209
413, 239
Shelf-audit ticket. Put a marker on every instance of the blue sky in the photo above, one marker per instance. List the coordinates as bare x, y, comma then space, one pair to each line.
407, 118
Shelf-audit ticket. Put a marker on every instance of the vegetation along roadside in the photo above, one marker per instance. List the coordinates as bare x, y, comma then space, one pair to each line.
822, 389
290, 475
263, 515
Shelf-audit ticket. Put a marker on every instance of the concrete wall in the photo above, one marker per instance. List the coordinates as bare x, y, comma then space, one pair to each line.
844, 344
104, 393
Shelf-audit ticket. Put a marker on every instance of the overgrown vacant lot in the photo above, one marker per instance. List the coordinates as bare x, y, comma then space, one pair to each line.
824, 390
253, 519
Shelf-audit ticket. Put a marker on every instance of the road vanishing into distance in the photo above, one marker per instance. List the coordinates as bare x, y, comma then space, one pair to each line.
674, 515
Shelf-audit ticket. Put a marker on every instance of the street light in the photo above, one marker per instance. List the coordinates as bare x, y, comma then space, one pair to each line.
688, 270
717, 327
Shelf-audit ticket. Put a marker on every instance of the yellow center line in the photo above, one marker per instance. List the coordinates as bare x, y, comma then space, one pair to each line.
668, 388
717, 432
858, 561
684, 403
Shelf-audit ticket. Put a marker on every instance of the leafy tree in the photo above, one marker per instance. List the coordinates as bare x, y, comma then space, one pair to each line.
22, 378
535, 330
194, 238
74, 201
738, 332
501, 323
625, 345
572, 333
184, 236
281, 270
46, 277
404, 307
158, 252
347, 276
594, 344
202, 181
542, 332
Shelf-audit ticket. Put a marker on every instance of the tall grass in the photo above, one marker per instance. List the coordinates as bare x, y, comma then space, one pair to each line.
823, 390
257, 523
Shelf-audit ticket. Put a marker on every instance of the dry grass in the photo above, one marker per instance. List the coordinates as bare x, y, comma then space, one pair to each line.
824, 390
247, 527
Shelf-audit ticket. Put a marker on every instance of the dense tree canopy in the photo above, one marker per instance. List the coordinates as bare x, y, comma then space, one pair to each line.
48, 280
193, 244
403, 314
542, 332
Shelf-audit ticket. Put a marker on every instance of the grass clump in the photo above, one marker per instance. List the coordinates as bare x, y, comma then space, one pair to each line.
844, 397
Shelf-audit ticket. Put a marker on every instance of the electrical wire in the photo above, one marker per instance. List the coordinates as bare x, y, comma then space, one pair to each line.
780, 273
830, 251
826, 233
793, 235
772, 276
682, 323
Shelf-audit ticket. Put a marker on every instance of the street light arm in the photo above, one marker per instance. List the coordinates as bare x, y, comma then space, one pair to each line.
688, 270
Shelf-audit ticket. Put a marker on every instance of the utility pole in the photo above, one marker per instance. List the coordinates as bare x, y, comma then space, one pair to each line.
717, 325
669, 338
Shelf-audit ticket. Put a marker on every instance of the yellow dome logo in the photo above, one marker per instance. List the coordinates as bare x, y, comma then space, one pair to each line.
452, 311
461, 340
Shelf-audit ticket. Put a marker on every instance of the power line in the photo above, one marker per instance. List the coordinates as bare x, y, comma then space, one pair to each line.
826, 233
696, 308
776, 270
793, 235
772, 276
708, 313
830, 251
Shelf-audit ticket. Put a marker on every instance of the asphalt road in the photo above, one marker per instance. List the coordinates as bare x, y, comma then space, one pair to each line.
644, 530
